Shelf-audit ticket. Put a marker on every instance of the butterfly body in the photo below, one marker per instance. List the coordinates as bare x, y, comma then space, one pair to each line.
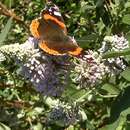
52, 33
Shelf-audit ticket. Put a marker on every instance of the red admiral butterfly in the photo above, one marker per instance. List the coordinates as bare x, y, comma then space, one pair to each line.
51, 30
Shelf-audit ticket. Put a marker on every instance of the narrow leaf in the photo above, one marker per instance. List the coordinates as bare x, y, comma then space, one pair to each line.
110, 89
126, 74
5, 31
4, 127
126, 19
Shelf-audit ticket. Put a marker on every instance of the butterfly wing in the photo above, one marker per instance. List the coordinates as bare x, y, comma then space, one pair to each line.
34, 28
61, 47
56, 42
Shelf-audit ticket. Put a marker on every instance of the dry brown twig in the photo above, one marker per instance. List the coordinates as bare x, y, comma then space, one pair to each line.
9, 13
15, 104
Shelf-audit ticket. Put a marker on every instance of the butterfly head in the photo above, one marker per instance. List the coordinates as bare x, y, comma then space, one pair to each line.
51, 9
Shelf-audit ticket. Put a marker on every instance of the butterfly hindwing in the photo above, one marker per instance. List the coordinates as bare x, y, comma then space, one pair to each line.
61, 47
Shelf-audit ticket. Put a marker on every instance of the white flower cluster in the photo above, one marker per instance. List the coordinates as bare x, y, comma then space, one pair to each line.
90, 69
48, 73
114, 43
117, 43
19, 52
2, 57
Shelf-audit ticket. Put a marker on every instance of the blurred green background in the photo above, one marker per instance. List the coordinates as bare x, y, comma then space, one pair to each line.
89, 21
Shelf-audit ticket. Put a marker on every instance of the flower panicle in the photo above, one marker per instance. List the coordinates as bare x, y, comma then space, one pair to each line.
20, 52
48, 74
90, 69
114, 43
64, 115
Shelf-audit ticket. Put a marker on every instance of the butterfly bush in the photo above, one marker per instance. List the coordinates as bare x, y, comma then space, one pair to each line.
64, 114
114, 43
49, 74
90, 69
20, 52
2, 57
46, 72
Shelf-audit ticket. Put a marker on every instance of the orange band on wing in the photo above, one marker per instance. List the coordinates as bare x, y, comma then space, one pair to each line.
34, 28
49, 17
48, 50
44, 47
76, 52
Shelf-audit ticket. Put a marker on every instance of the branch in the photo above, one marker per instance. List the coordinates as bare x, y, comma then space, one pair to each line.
15, 104
10, 13
116, 54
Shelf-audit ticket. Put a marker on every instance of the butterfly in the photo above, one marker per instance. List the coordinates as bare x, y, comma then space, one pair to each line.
51, 31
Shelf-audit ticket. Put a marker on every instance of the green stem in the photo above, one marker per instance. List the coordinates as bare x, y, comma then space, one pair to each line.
116, 54
84, 96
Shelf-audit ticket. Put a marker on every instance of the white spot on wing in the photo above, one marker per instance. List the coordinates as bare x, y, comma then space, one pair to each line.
57, 13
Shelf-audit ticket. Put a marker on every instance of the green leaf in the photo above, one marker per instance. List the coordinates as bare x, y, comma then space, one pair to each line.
5, 31
117, 2
126, 74
117, 125
126, 19
121, 104
85, 6
4, 127
9, 3
84, 41
120, 110
128, 126
99, 3
73, 93
110, 89
128, 37
71, 128
127, 4
116, 54
38, 127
